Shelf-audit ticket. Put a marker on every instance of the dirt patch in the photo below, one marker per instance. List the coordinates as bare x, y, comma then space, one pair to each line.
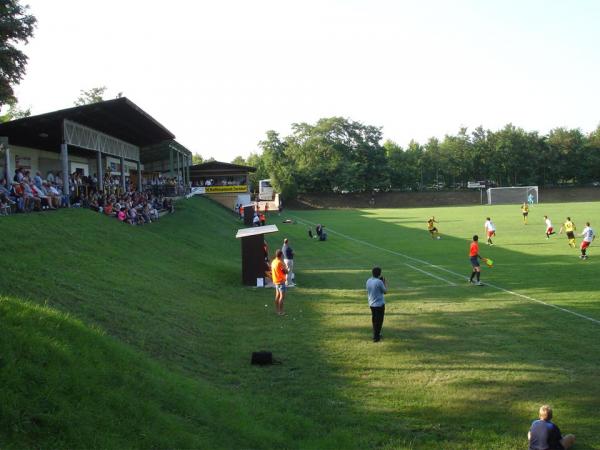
424, 199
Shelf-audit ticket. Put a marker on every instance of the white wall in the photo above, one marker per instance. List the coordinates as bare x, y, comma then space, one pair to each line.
42, 160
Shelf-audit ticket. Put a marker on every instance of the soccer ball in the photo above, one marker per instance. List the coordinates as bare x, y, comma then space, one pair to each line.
439, 237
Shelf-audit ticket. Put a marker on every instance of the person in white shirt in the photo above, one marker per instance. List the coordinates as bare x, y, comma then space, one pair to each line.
490, 230
588, 236
549, 230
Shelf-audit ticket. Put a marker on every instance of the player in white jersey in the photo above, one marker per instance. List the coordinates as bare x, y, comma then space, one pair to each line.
549, 228
490, 230
588, 236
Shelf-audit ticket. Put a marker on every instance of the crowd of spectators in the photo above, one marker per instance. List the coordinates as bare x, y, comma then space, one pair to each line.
26, 193
221, 181
134, 208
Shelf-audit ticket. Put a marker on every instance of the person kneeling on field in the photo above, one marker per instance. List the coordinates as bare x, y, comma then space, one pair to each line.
544, 435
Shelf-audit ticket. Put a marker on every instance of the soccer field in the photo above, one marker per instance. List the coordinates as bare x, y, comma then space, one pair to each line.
468, 364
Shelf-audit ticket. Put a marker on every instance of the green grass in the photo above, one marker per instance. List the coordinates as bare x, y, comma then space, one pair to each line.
114, 336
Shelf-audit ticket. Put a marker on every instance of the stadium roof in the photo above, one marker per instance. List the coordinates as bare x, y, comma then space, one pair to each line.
161, 150
120, 118
219, 168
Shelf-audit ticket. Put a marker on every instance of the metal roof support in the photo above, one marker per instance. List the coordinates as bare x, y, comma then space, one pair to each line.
189, 163
100, 171
7, 168
64, 160
123, 174
139, 177
178, 171
171, 162
90, 139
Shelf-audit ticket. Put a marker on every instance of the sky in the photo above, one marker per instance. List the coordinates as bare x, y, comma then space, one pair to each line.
220, 74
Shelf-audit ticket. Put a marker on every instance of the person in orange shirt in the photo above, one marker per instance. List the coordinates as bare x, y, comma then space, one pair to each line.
278, 273
474, 257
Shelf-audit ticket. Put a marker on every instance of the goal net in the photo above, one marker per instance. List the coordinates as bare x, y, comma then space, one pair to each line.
507, 195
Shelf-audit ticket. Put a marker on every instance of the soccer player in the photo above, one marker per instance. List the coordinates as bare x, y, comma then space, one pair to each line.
474, 257
588, 236
432, 228
569, 228
525, 212
490, 230
549, 229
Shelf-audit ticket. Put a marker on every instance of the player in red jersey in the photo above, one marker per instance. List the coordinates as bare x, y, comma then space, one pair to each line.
474, 257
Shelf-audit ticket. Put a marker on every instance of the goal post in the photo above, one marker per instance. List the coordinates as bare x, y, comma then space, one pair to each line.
508, 195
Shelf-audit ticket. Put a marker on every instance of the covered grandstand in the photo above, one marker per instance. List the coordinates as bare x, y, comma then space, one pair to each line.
114, 137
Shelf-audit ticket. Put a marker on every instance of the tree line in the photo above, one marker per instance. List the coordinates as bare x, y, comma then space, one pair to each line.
340, 155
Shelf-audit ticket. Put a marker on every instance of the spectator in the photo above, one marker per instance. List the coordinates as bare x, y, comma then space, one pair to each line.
55, 199
18, 175
37, 180
288, 259
278, 274
545, 435
30, 198
18, 194
6, 195
122, 214
41, 193
376, 290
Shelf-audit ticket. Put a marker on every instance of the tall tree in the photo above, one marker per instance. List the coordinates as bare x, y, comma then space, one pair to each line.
277, 162
590, 165
197, 158
14, 112
337, 154
239, 160
16, 26
567, 146
93, 95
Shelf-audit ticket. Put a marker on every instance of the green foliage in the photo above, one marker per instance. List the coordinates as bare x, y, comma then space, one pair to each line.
239, 160
339, 155
14, 112
93, 95
16, 26
197, 158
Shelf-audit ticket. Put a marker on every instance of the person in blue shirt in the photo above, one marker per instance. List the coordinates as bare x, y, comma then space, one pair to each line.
376, 288
545, 435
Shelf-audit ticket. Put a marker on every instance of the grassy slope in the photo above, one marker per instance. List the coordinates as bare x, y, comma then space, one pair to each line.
154, 350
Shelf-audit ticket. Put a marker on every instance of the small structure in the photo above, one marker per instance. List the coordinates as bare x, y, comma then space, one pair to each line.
248, 214
254, 264
222, 182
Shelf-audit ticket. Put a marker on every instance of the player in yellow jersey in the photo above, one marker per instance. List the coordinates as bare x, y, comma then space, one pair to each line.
435, 234
525, 211
569, 228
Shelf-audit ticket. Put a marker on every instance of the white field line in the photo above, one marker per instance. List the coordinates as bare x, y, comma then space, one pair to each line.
427, 263
430, 274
